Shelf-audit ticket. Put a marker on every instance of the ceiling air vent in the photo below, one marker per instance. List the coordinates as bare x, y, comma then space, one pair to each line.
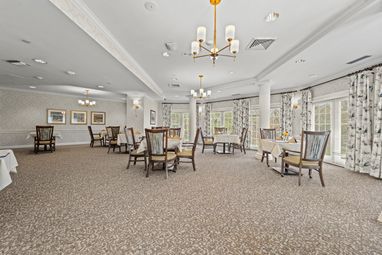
171, 46
174, 85
260, 43
358, 59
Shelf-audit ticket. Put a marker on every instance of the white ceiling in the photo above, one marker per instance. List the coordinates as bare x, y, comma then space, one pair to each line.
325, 33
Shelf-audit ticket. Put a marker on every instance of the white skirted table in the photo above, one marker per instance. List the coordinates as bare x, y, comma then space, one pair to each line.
172, 144
226, 139
8, 164
276, 148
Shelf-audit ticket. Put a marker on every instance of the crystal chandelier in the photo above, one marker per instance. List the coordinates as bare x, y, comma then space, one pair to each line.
214, 53
87, 101
200, 94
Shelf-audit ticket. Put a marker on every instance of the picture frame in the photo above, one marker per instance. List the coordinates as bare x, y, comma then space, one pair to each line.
98, 118
153, 117
56, 116
78, 117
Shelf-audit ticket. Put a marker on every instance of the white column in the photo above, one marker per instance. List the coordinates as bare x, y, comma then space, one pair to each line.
192, 118
265, 104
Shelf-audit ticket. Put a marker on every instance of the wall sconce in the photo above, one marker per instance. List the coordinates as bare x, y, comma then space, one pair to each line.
294, 101
136, 104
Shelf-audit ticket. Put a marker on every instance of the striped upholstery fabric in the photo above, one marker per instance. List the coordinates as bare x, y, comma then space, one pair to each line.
315, 144
156, 142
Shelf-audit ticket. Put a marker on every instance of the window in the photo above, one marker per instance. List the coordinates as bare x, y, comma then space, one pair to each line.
176, 120
344, 126
275, 120
228, 121
216, 120
222, 119
181, 120
254, 131
322, 121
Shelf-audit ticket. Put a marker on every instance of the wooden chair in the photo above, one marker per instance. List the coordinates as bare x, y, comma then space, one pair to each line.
94, 137
112, 133
312, 152
267, 133
160, 127
208, 141
220, 130
174, 132
241, 145
44, 136
157, 142
133, 151
187, 153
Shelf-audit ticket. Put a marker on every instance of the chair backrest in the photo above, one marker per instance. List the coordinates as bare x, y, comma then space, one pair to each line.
174, 132
160, 127
157, 141
44, 133
313, 145
131, 138
243, 137
268, 133
115, 132
109, 132
220, 130
199, 130
90, 132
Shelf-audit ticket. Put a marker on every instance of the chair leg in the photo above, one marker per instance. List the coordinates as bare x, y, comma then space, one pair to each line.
321, 177
148, 169
109, 148
203, 149
299, 176
282, 167
262, 157
165, 166
310, 173
128, 163
245, 152
144, 158
268, 159
193, 164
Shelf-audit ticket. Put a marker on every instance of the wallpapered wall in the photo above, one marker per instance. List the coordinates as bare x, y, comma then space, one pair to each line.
21, 111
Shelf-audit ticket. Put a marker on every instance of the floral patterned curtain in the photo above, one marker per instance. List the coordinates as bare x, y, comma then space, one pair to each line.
360, 130
376, 154
286, 112
241, 116
306, 109
207, 119
166, 115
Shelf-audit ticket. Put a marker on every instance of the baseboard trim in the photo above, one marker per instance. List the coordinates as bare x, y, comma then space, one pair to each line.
31, 145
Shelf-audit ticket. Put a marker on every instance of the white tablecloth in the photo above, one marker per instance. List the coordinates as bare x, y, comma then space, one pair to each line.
227, 139
276, 147
172, 144
33, 135
8, 164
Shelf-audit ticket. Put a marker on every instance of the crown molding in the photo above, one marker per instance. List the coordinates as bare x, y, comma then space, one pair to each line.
78, 12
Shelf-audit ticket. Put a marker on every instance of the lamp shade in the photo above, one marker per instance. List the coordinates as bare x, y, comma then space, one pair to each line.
234, 46
229, 33
194, 48
201, 34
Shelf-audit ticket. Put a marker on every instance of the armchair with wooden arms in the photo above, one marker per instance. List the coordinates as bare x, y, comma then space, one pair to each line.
44, 136
311, 155
112, 137
208, 141
241, 145
133, 151
187, 152
269, 134
157, 143
94, 137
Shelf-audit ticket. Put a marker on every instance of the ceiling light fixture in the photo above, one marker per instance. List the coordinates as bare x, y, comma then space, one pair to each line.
38, 77
32, 87
299, 61
87, 101
273, 16
201, 93
214, 52
165, 54
69, 72
100, 86
39, 60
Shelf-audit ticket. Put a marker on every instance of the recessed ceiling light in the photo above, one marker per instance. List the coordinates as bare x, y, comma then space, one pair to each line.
298, 61
16, 62
272, 16
165, 54
40, 61
32, 87
219, 91
38, 77
231, 72
150, 6
69, 72
313, 75
100, 86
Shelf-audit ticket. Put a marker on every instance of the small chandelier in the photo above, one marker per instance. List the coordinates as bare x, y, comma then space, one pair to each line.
201, 93
87, 101
214, 53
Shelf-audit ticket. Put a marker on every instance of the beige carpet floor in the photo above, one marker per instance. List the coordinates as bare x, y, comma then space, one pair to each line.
81, 200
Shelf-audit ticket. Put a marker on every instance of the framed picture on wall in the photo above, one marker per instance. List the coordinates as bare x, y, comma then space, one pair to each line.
56, 116
78, 117
98, 118
153, 117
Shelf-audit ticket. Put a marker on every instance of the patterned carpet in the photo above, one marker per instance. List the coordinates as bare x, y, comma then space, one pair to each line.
80, 200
